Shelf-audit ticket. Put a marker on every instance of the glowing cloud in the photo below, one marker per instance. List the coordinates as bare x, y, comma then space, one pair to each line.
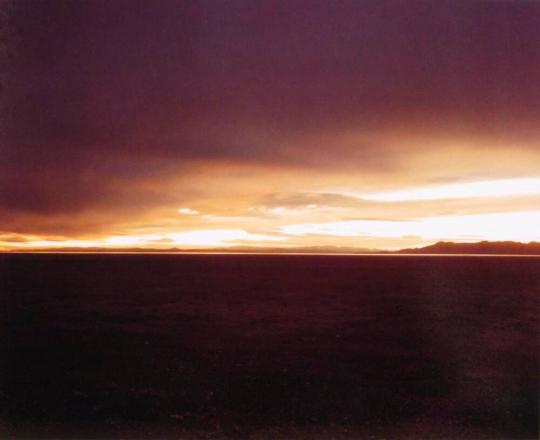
199, 238
489, 188
520, 226
216, 237
188, 211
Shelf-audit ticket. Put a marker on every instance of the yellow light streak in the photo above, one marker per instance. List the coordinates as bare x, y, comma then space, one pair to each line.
488, 188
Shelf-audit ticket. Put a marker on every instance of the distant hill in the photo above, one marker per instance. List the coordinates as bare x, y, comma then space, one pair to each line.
483, 247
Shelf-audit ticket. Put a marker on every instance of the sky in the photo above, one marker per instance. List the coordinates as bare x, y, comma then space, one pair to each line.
195, 124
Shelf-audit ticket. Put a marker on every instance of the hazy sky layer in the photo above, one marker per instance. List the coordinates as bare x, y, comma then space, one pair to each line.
277, 123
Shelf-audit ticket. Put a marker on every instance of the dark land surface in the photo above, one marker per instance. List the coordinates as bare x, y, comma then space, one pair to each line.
251, 346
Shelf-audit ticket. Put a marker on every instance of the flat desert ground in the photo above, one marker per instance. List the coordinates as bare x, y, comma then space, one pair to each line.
254, 346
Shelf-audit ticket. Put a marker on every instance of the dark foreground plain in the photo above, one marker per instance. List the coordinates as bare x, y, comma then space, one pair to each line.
251, 346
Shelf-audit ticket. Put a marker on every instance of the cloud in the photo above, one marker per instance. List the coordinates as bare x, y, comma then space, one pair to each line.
519, 226
14, 238
188, 211
194, 239
490, 188
305, 200
116, 113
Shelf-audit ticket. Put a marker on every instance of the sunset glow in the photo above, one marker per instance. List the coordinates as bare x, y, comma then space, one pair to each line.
211, 126
490, 188
518, 226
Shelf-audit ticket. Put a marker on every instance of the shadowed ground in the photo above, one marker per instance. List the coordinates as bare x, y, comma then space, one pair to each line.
239, 346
